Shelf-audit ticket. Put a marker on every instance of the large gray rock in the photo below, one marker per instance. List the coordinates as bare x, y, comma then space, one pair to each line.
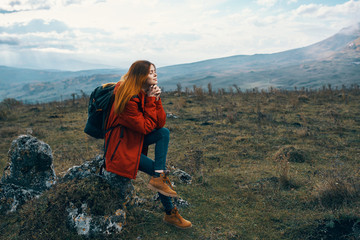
93, 168
81, 217
30, 164
28, 173
95, 204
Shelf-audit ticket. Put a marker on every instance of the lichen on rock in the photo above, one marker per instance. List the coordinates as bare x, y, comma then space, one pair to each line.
13, 196
28, 173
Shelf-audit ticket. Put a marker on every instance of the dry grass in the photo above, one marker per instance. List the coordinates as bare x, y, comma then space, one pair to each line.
265, 165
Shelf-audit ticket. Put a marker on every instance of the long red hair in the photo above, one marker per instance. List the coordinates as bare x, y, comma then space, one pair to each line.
131, 84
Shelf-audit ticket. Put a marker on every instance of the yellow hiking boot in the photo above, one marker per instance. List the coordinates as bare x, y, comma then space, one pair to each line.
162, 185
177, 220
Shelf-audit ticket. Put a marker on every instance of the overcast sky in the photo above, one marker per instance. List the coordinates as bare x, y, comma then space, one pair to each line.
166, 32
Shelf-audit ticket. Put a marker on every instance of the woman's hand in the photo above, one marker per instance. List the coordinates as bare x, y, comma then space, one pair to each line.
154, 91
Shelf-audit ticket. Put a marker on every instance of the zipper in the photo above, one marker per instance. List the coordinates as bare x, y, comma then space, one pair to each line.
117, 145
106, 144
139, 154
112, 156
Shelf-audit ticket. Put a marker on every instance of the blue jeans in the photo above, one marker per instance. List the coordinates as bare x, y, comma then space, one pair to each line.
161, 139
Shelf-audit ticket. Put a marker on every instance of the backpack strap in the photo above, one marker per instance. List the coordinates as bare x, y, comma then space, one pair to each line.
139, 103
111, 101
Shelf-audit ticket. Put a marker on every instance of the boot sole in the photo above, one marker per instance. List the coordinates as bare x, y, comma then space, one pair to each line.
176, 225
161, 191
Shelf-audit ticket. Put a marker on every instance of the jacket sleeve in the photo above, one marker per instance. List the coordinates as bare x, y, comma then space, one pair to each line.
161, 115
138, 121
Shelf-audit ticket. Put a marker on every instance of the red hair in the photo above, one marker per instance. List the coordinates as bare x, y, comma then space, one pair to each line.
131, 84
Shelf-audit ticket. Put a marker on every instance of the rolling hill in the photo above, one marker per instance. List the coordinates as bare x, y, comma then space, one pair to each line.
335, 61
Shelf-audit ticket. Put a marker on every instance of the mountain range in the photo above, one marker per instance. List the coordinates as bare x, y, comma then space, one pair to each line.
335, 61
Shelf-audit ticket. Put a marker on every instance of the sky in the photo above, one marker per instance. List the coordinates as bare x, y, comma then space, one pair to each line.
166, 32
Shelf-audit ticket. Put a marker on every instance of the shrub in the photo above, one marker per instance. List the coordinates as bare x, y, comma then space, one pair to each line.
283, 157
303, 98
3, 114
284, 173
11, 102
333, 193
180, 104
292, 153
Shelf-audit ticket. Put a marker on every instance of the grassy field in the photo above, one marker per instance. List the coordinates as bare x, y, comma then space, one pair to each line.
265, 164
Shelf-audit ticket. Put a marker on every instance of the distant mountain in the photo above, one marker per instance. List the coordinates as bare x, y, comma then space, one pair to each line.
48, 85
59, 90
329, 61
334, 61
11, 75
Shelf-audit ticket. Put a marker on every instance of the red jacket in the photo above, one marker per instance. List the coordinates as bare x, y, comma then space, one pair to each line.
125, 142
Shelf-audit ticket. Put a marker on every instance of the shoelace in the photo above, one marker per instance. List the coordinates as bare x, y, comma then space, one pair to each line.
177, 215
167, 181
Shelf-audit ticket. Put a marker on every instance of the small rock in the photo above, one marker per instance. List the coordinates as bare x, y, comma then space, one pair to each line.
170, 115
181, 203
206, 123
183, 176
138, 201
155, 197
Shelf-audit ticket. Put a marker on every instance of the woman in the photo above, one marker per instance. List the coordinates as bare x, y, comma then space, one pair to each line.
137, 118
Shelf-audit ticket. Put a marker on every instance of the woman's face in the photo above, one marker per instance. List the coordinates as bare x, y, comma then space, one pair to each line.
152, 77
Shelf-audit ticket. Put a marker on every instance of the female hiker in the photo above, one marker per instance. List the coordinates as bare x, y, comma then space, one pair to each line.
137, 118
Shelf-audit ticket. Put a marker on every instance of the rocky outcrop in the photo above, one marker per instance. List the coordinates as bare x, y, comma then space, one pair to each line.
82, 216
90, 203
28, 173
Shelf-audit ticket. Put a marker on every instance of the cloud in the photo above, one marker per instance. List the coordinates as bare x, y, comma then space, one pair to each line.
36, 25
307, 9
2, 11
8, 41
38, 35
328, 12
292, 1
9, 6
266, 3
51, 42
169, 32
